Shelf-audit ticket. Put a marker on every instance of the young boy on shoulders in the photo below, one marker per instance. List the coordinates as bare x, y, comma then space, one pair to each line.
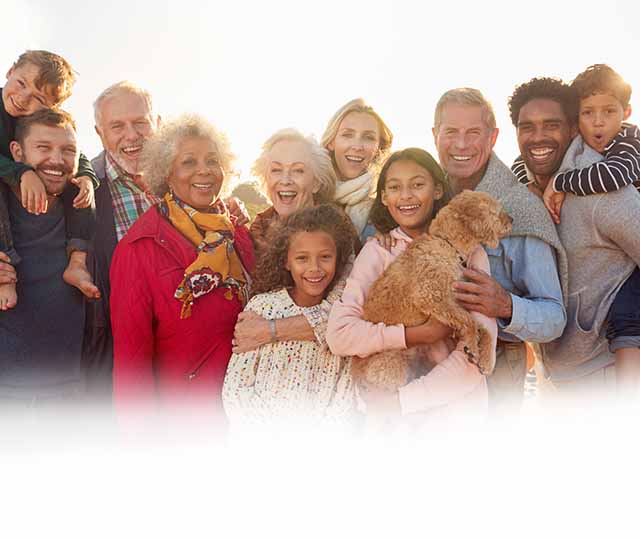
38, 80
603, 108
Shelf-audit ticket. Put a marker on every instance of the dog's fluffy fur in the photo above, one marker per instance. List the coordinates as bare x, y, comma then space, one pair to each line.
418, 285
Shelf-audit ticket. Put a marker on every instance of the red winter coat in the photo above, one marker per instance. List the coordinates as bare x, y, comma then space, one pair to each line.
158, 357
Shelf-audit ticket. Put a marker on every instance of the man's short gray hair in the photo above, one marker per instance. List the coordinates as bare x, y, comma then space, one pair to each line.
118, 88
465, 96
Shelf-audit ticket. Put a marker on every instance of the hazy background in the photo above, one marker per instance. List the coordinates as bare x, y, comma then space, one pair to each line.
253, 68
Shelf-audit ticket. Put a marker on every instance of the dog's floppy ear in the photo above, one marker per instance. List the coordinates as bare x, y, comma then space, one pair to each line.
469, 218
482, 218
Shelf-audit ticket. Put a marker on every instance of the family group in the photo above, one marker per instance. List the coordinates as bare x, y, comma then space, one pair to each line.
135, 280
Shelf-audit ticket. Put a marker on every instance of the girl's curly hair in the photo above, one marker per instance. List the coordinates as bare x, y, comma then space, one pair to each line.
271, 273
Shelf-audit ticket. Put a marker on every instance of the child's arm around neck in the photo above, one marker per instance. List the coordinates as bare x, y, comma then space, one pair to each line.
619, 167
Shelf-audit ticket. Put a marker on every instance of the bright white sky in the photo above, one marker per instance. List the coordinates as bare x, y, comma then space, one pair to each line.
253, 68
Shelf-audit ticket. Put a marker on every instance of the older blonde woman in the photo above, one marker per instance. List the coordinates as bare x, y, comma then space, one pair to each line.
179, 276
295, 172
357, 139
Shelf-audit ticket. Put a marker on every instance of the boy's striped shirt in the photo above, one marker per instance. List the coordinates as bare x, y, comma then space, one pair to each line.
620, 167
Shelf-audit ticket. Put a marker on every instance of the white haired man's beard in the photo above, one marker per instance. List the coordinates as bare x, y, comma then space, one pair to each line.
129, 164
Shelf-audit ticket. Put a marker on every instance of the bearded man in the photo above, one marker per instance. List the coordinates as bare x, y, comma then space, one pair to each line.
41, 338
599, 234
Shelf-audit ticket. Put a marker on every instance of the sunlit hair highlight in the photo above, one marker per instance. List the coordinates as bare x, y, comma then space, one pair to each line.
118, 88
160, 150
55, 74
602, 79
359, 105
45, 117
321, 165
469, 97
271, 274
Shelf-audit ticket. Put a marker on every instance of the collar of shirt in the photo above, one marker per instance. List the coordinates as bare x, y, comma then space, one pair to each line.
115, 173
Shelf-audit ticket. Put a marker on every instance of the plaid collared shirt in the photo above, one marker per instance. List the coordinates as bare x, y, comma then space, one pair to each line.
129, 200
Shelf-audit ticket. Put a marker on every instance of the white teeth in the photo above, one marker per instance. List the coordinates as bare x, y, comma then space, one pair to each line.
131, 149
461, 158
287, 193
315, 280
541, 152
202, 185
354, 159
52, 172
409, 207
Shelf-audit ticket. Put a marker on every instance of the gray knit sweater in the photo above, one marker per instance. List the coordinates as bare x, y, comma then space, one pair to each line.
600, 236
530, 217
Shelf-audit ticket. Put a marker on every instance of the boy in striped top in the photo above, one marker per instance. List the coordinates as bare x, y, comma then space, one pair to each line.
603, 107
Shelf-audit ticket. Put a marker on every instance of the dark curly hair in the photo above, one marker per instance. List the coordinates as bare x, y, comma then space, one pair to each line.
600, 78
544, 88
379, 215
271, 273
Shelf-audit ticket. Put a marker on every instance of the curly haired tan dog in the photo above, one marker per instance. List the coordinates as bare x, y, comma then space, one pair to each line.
425, 273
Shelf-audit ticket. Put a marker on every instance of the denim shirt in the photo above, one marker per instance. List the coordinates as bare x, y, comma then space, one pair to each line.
368, 231
525, 267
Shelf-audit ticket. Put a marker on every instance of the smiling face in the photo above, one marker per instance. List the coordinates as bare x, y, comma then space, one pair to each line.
196, 176
52, 152
464, 142
355, 145
126, 122
21, 96
409, 194
600, 119
290, 179
544, 134
311, 261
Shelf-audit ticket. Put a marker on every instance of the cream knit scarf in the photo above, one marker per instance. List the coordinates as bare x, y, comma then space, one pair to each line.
355, 196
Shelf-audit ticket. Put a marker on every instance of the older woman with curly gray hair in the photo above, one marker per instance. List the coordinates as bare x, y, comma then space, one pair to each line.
179, 277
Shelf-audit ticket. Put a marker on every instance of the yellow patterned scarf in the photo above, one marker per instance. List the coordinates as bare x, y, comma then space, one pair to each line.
217, 263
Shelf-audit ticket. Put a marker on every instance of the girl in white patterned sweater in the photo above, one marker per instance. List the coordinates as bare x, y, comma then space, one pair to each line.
287, 381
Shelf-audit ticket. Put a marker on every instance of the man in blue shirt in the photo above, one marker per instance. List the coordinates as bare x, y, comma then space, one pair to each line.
528, 268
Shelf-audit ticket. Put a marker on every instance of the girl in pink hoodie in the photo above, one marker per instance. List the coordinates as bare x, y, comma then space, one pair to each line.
411, 189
